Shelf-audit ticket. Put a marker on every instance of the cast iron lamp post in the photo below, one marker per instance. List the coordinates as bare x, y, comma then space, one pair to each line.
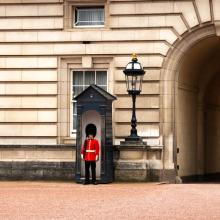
134, 76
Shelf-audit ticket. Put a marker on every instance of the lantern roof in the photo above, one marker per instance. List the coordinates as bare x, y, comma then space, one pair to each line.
134, 68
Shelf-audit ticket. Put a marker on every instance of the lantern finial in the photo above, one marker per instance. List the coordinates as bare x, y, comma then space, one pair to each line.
134, 57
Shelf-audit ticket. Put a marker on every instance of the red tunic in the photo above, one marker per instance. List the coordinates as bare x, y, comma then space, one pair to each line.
92, 150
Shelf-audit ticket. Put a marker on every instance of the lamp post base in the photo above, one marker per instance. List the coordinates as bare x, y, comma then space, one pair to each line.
133, 138
133, 141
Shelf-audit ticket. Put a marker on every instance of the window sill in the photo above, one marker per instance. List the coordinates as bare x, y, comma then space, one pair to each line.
89, 26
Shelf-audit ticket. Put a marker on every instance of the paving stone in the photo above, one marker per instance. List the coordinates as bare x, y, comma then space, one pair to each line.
68, 200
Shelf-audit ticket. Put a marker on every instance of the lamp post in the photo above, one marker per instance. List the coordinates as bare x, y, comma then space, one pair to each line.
134, 76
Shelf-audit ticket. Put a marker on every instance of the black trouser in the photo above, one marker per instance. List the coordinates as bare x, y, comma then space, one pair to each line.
93, 168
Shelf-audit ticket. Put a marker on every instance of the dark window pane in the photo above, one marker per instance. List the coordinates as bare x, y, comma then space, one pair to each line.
89, 16
74, 108
74, 121
77, 90
77, 77
82, 80
101, 77
89, 77
74, 115
85, 87
85, 23
104, 87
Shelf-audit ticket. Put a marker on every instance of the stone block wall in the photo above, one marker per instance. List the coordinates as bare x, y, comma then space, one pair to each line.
34, 162
39, 47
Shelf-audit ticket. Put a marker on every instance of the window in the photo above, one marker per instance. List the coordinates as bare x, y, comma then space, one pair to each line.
80, 81
89, 16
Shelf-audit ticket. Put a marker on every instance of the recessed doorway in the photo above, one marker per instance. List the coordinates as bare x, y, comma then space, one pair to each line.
198, 112
91, 122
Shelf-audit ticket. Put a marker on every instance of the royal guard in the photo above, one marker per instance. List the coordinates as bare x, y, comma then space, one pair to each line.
90, 154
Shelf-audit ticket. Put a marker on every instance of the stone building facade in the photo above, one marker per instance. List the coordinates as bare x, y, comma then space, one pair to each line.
44, 44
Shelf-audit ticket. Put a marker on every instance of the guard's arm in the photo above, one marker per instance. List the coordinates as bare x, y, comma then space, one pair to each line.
82, 153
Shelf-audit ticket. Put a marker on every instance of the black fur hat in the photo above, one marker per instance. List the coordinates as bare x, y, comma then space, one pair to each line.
91, 129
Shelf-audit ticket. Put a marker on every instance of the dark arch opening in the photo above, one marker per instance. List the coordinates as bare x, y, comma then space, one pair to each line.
198, 112
91, 129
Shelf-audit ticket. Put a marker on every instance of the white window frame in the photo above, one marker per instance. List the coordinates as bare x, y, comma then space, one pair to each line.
73, 131
88, 26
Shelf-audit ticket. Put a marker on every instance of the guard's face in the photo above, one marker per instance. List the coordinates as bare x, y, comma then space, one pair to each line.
90, 136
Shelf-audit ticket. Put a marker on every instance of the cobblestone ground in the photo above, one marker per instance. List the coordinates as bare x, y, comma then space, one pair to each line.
64, 200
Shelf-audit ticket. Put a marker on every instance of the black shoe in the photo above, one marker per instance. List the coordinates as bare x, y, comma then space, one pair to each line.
86, 183
94, 183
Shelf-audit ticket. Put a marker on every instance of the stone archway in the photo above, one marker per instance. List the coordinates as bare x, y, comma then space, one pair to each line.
184, 127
